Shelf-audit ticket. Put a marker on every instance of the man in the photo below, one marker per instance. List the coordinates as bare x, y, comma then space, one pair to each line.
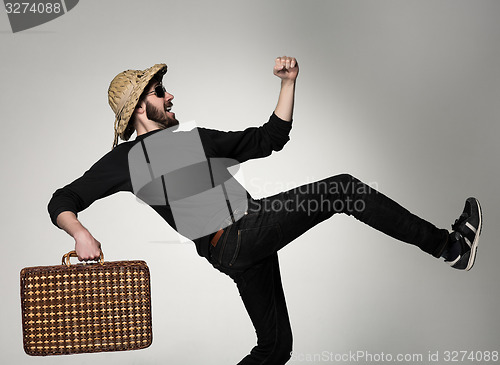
244, 243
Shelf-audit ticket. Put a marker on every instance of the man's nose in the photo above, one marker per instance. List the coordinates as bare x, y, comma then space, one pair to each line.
168, 96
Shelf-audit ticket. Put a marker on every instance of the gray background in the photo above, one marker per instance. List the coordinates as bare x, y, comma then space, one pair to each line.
401, 94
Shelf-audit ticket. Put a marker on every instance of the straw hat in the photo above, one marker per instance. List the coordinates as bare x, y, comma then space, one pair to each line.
124, 93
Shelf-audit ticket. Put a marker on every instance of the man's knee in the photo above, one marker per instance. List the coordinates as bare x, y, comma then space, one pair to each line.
275, 351
282, 350
287, 354
347, 185
345, 179
285, 349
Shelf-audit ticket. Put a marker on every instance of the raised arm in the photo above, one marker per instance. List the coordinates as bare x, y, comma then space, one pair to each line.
287, 69
258, 142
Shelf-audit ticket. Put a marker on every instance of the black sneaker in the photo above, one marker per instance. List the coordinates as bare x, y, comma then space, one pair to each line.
466, 231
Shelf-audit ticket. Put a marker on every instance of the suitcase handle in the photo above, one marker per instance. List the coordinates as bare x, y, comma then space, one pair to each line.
66, 261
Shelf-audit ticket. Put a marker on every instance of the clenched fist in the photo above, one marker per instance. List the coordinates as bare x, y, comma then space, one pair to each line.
86, 246
286, 68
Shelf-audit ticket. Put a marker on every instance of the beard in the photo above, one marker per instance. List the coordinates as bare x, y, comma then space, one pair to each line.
160, 117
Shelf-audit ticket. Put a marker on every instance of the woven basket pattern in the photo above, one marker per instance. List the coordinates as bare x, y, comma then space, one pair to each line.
86, 308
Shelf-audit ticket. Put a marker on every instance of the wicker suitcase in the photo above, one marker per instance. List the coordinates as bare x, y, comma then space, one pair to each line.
68, 309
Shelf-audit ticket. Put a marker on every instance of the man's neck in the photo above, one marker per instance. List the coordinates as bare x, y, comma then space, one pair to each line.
142, 128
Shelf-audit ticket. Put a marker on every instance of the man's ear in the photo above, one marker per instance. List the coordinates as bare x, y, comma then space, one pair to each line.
140, 108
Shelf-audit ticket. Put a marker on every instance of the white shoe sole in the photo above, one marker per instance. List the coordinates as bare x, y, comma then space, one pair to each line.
473, 248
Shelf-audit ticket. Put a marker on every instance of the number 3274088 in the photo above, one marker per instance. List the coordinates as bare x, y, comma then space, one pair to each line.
33, 7
479, 356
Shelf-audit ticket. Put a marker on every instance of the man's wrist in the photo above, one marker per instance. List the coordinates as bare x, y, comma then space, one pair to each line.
78, 230
287, 83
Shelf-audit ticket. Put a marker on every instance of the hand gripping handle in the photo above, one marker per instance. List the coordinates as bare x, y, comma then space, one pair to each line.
66, 257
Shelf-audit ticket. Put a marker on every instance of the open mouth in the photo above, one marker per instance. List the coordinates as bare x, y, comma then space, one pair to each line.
168, 106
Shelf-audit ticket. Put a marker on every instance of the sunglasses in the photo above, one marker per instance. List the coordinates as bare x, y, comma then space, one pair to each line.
159, 91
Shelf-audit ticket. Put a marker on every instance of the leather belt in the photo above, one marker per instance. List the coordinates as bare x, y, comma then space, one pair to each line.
216, 237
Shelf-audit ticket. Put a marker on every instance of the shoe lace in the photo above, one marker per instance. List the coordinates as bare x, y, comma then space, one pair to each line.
459, 221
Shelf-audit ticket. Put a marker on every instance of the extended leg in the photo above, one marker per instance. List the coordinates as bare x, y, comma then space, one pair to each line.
300, 209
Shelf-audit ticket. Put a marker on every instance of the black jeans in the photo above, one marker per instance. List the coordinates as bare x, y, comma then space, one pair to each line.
247, 250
